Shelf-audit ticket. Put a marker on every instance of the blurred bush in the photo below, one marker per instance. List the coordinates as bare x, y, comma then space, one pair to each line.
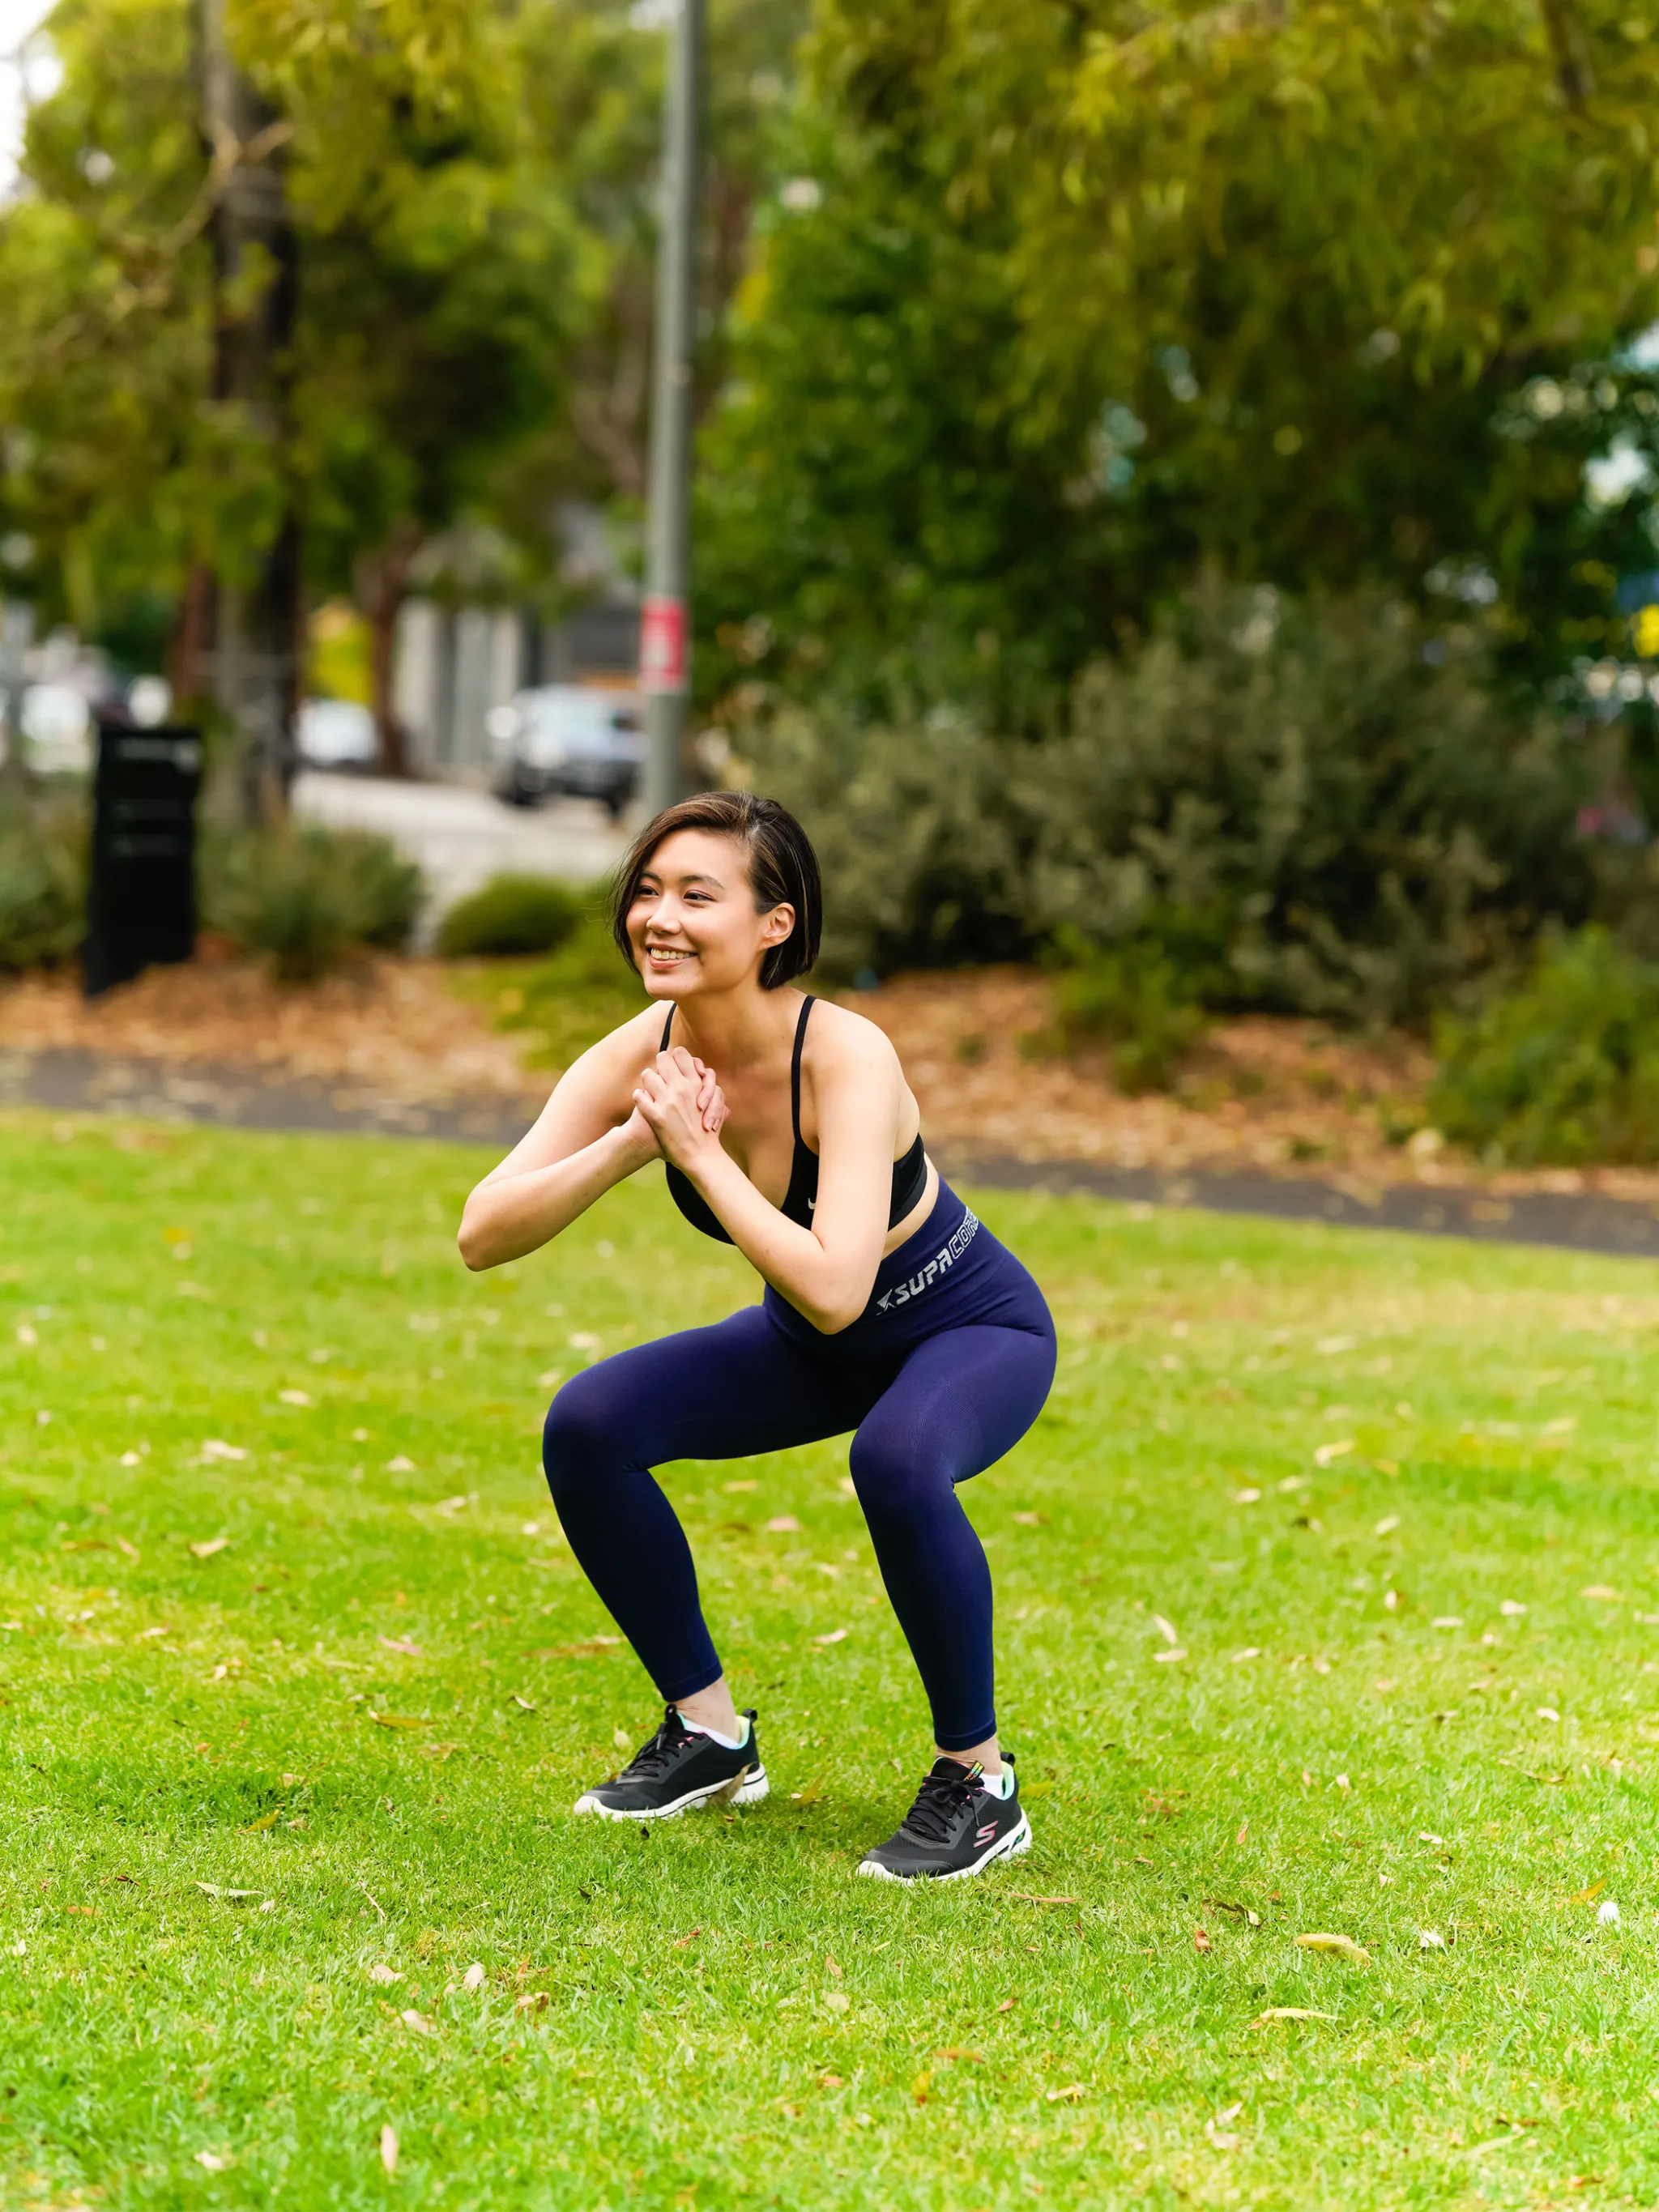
511, 913
1132, 997
43, 882
1564, 1067
1336, 790
309, 897
572, 1000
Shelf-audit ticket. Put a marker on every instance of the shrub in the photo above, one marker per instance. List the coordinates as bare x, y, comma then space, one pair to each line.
309, 897
1363, 824
43, 885
1134, 997
511, 913
580, 994
1565, 1067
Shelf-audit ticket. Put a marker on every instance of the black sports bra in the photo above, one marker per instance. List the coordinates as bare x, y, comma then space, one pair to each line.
909, 1174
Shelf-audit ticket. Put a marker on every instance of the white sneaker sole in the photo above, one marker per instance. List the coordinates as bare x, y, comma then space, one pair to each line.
1006, 1847
745, 1789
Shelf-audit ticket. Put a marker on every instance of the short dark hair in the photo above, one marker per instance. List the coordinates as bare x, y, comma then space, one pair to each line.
783, 871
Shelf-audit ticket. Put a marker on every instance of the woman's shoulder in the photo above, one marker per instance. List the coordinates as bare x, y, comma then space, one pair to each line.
620, 1054
841, 1037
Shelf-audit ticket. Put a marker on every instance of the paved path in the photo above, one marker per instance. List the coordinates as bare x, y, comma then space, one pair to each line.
461, 838
238, 1097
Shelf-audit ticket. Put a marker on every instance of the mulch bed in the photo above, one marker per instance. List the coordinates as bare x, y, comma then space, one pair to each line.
1259, 1097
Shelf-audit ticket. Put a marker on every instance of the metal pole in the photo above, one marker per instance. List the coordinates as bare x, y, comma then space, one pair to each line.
665, 630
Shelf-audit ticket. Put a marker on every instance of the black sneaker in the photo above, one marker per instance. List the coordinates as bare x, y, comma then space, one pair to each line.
679, 1769
955, 1829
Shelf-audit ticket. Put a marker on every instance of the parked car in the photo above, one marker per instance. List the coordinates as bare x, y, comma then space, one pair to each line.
568, 739
336, 733
56, 729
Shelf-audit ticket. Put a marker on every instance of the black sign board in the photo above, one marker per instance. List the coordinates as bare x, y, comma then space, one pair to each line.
141, 901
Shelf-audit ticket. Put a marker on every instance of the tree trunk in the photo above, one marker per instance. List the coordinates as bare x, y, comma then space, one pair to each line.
255, 675
382, 588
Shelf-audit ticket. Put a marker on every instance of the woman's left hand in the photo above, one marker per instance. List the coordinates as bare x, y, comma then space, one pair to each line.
684, 1104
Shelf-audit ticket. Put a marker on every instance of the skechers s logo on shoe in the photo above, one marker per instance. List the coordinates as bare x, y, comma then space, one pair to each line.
967, 1228
986, 1834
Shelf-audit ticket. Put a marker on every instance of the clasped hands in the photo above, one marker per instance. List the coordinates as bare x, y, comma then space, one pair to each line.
681, 1103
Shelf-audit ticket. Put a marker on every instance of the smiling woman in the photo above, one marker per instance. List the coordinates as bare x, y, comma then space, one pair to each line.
889, 1312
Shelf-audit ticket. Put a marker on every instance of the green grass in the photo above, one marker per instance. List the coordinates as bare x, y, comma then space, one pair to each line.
718, 2014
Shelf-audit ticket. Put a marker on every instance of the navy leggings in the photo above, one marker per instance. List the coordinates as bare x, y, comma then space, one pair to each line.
924, 1419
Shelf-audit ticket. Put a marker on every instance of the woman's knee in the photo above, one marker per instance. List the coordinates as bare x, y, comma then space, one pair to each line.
897, 1477
580, 1436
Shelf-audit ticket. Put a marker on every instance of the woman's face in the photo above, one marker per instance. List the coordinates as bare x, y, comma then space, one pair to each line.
692, 923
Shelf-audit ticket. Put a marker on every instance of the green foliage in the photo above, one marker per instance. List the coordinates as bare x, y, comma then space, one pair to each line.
511, 913
579, 995
1134, 997
309, 897
1083, 298
43, 883
1563, 1067
1295, 802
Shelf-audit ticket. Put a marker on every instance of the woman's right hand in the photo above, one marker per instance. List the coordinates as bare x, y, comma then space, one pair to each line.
711, 1105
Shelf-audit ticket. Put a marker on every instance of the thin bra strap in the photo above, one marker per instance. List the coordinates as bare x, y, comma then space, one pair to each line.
666, 1026
794, 1065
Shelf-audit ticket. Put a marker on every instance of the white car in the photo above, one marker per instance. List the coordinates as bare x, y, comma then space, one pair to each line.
569, 738
336, 733
58, 730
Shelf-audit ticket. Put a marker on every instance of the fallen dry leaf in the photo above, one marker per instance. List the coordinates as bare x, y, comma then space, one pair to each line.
690, 1936
380, 1972
389, 2148
1200, 1941
954, 2051
1289, 2012
206, 1549
217, 1448
1073, 2090
1326, 1453
474, 1978
451, 1505
225, 1896
783, 1524
837, 2000
438, 1750
418, 2023
1026, 1897
920, 2087
401, 1643
1031, 1520
595, 1646
733, 1488
1602, 1594
524, 1704
1007, 2004
531, 2001
1335, 1946
295, 1397
1168, 1658
211, 2160
400, 1464
396, 1720
1166, 1629
254, 1827
830, 2081
836, 1636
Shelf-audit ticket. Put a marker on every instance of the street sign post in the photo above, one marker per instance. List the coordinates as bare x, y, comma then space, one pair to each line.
665, 641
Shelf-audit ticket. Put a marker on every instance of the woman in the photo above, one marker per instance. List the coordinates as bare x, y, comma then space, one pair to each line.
789, 1131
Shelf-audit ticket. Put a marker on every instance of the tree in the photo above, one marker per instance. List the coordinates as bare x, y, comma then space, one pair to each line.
1255, 281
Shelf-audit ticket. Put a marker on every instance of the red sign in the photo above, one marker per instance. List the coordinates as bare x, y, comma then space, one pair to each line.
663, 634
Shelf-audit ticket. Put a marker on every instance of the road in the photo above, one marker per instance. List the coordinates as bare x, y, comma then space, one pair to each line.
461, 838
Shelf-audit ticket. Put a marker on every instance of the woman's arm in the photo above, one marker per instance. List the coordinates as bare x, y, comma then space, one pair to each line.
588, 1137
825, 1272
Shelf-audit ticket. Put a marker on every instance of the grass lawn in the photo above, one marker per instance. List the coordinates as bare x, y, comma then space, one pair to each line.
1324, 1587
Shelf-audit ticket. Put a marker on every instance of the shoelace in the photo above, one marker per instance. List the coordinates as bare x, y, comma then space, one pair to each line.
938, 1802
649, 1760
